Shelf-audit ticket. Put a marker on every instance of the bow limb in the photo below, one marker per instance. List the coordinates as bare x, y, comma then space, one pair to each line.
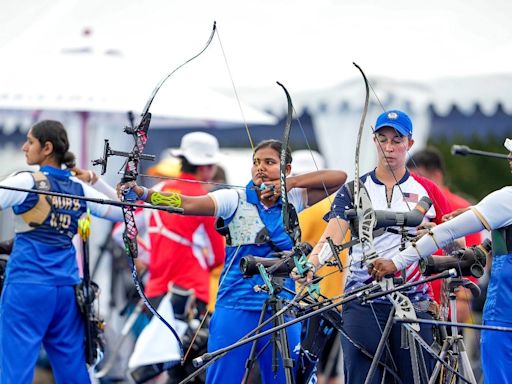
285, 212
159, 85
362, 202
140, 136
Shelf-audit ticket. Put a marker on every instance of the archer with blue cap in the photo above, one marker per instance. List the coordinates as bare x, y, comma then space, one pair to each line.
493, 213
390, 187
396, 119
393, 139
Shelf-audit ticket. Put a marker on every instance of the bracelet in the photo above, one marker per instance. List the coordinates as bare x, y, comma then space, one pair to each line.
145, 193
93, 178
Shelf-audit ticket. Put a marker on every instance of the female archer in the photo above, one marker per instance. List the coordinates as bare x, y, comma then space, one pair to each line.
253, 223
38, 300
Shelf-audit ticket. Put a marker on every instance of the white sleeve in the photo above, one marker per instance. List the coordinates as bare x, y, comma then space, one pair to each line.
443, 234
101, 186
10, 198
495, 209
298, 197
226, 202
104, 211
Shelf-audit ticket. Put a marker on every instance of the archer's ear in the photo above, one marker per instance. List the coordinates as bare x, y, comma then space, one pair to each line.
288, 169
48, 148
411, 142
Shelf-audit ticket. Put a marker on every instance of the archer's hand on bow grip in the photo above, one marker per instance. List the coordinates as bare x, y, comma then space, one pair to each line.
127, 191
381, 268
304, 274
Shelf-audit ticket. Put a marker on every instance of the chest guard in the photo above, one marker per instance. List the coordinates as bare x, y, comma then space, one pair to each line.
246, 227
37, 215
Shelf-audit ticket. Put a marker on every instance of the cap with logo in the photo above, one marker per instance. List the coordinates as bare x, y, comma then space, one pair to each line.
199, 148
395, 119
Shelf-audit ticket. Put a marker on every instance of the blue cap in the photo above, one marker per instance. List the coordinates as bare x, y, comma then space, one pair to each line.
395, 119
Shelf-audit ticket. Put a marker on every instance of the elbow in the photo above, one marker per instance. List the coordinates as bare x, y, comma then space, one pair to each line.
341, 178
344, 177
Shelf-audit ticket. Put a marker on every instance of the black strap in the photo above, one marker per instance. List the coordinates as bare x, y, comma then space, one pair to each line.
501, 241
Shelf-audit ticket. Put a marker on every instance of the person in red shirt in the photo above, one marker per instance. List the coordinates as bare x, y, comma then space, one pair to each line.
184, 249
429, 163
180, 250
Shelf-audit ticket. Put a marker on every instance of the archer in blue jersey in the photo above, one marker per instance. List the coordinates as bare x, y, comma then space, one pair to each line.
253, 221
38, 303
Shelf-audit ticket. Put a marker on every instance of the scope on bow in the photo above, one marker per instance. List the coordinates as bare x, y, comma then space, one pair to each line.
467, 262
401, 219
275, 266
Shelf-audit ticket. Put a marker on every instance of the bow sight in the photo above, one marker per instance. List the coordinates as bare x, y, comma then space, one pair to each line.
134, 155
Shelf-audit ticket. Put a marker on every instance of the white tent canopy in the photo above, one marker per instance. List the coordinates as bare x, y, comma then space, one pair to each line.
105, 83
336, 111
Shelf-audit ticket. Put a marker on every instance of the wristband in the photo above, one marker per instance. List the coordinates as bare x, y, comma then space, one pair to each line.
172, 200
145, 193
90, 177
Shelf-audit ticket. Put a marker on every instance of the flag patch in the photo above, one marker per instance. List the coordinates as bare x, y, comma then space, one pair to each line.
411, 197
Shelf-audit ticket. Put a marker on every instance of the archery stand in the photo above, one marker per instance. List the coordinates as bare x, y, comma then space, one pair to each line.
401, 308
453, 345
279, 339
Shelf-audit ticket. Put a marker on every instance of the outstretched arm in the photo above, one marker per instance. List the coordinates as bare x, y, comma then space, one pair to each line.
191, 205
92, 179
443, 234
317, 183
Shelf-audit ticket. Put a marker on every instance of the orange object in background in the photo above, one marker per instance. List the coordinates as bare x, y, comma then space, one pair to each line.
312, 226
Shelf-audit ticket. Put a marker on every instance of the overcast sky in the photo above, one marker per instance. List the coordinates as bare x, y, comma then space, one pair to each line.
302, 43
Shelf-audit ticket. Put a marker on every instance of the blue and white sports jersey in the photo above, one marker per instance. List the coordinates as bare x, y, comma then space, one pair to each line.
45, 254
234, 290
404, 197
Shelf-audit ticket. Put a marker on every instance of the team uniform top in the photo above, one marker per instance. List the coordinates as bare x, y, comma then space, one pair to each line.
404, 197
234, 290
45, 254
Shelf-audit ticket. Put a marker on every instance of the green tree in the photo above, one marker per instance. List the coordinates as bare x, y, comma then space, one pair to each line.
474, 176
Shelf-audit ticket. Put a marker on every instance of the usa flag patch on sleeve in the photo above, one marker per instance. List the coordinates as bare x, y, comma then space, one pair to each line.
410, 197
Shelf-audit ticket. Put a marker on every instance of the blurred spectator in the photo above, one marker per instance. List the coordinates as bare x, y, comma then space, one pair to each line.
429, 163
182, 249
168, 167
